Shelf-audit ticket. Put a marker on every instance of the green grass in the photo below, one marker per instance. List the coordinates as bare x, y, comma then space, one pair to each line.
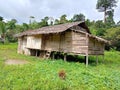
42, 74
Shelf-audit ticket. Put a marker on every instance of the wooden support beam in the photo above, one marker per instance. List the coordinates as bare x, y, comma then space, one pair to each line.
36, 53
86, 57
58, 55
65, 56
44, 54
53, 55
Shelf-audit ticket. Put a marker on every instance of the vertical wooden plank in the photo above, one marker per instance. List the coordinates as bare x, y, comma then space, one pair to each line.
53, 55
86, 60
36, 53
87, 41
65, 56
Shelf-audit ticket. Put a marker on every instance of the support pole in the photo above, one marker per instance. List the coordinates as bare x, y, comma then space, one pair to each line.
36, 53
53, 56
58, 55
86, 60
65, 56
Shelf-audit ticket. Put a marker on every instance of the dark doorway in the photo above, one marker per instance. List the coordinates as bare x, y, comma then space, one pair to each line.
34, 52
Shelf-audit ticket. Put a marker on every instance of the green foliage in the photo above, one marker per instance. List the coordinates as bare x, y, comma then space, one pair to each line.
105, 6
33, 25
44, 22
1, 18
78, 17
2, 27
10, 36
88, 22
109, 20
63, 19
98, 28
56, 22
25, 26
41, 74
11, 24
113, 35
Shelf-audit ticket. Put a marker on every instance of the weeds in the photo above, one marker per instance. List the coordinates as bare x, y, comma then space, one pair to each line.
57, 74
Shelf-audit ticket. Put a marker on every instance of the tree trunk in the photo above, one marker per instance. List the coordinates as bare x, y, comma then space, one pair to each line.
105, 16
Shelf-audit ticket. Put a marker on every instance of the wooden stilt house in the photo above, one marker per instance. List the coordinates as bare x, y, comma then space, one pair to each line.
70, 38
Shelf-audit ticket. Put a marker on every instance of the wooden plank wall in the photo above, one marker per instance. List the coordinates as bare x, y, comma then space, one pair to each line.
34, 42
50, 42
19, 46
79, 43
95, 47
67, 42
61, 42
22, 42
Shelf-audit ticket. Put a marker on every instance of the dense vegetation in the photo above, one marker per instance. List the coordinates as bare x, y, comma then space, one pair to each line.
41, 74
98, 28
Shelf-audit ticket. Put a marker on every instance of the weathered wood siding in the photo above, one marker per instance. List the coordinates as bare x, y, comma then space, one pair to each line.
79, 43
22, 42
34, 42
95, 47
66, 42
51, 42
20, 45
57, 42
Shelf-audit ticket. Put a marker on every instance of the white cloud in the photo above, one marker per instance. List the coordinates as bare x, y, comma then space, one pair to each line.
22, 9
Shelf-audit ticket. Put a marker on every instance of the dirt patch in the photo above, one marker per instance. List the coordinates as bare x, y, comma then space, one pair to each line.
15, 62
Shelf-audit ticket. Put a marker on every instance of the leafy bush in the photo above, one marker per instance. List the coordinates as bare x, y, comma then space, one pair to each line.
113, 35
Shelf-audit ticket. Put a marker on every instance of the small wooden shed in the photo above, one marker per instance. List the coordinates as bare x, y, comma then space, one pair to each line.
70, 38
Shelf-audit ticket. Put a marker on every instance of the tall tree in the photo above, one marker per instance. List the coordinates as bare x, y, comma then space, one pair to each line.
1, 18
100, 27
25, 26
113, 35
2, 30
57, 21
11, 24
109, 20
88, 22
44, 21
105, 5
11, 30
63, 19
78, 17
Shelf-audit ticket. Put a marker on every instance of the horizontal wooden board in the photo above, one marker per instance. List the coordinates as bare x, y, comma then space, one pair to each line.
95, 52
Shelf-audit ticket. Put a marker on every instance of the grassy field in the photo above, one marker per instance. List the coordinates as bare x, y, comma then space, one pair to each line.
42, 74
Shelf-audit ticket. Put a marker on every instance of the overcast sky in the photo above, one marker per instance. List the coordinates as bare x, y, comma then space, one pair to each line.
23, 9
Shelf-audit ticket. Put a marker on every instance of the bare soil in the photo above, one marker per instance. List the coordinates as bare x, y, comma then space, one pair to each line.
15, 62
